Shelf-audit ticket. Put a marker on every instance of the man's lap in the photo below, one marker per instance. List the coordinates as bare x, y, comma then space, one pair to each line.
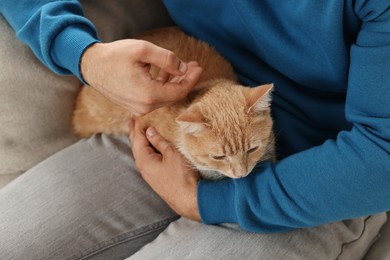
85, 199
185, 239
88, 201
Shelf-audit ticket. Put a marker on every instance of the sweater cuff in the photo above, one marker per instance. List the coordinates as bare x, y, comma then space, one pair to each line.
216, 201
69, 46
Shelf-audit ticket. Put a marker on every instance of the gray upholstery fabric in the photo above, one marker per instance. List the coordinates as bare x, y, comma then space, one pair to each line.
35, 106
380, 250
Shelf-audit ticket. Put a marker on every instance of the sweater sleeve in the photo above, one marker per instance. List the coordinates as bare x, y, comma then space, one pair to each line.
344, 178
56, 31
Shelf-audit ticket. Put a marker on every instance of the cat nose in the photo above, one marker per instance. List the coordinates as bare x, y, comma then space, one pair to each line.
239, 167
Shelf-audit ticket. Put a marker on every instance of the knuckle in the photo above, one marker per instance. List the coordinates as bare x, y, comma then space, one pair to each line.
157, 142
169, 151
170, 59
142, 49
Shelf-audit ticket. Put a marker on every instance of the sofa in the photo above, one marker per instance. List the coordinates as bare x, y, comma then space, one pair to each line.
36, 106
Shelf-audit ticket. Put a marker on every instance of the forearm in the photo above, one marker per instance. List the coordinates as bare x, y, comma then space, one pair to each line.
343, 178
338, 180
56, 31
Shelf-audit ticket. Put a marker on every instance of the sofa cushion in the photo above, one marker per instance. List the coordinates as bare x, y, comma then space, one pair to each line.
6, 178
35, 106
381, 249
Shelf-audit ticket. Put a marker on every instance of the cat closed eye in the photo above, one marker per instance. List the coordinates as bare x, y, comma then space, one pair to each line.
219, 158
254, 149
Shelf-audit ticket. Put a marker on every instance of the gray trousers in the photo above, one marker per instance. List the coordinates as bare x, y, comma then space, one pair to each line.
87, 201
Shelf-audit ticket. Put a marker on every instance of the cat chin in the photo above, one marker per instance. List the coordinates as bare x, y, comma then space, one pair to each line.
211, 175
216, 175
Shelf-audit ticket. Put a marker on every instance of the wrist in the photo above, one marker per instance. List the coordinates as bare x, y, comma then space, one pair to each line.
193, 211
89, 62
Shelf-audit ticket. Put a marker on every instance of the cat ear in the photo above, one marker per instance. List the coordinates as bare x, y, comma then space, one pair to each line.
258, 98
192, 120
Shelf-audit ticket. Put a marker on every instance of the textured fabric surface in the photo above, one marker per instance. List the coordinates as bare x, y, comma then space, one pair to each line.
380, 250
90, 203
346, 240
86, 201
6, 178
35, 106
324, 58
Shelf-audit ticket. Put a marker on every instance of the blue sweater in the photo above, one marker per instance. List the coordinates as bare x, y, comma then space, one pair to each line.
330, 62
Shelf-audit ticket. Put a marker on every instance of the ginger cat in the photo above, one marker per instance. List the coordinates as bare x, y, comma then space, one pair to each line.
222, 128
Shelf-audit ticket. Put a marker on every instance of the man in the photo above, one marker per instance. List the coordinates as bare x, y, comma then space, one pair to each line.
324, 58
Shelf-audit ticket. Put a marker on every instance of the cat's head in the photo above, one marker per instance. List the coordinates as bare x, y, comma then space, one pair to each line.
228, 129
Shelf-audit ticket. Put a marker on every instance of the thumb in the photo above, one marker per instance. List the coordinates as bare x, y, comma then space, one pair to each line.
163, 59
158, 142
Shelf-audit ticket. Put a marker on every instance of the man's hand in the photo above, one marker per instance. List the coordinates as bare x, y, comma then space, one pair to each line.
168, 172
120, 71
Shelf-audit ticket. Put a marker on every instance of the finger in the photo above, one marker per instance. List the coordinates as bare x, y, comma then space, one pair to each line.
159, 142
162, 76
191, 66
162, 58
137, 137
172, 90
190, 80
140, 146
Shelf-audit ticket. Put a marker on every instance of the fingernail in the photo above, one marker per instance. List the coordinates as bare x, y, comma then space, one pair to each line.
151, 131
183, 67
